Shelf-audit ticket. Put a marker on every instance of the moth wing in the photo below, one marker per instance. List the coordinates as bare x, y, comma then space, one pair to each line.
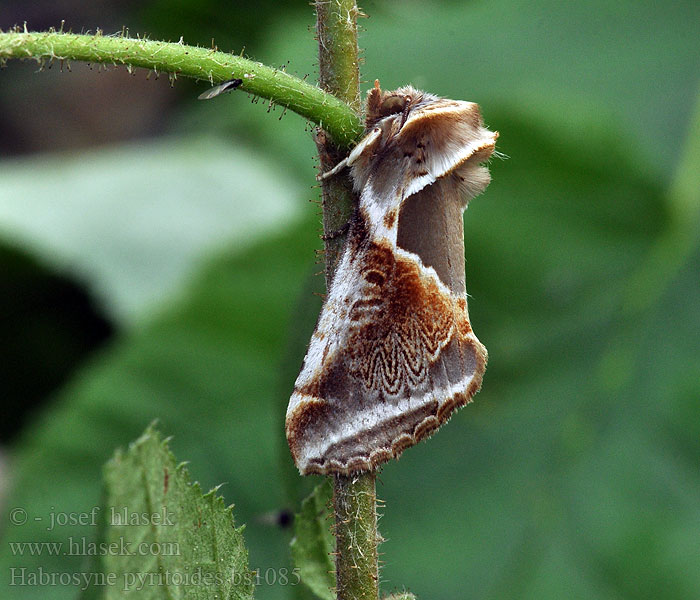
449, 138
387, 371
393, 353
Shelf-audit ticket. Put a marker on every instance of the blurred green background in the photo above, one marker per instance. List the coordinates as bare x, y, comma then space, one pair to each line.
159, 260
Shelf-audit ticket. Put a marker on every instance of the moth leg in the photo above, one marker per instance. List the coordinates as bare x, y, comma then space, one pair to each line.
331, 235
365, 143
334, 171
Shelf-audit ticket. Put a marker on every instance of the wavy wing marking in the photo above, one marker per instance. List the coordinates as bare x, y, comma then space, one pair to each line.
400, 326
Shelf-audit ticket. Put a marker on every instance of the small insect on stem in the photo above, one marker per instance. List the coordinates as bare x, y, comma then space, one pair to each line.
226, 86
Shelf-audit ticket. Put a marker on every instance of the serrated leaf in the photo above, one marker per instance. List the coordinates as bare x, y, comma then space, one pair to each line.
169, 539
206, 370
549, 485
313, 542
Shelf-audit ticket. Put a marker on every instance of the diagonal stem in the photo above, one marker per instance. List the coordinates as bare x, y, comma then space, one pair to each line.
177, 59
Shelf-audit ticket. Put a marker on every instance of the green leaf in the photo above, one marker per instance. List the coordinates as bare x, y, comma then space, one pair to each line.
563, 478
136, 239
206, 368
164, 538
313, 544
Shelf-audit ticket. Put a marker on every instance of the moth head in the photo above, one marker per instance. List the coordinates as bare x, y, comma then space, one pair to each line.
385, 104
415, 138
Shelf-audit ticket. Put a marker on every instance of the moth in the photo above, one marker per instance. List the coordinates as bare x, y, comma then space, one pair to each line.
393, 353
226, 86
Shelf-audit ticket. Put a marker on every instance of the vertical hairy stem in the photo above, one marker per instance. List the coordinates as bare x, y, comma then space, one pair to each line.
355, 506
336, 30
339, 74
354, 498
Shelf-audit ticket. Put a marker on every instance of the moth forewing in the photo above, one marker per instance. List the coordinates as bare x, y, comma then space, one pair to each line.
393, 353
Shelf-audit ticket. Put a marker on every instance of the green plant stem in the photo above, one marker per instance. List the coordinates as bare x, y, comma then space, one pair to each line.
339, 74
354, 497
356, 537
177, 59
336, 30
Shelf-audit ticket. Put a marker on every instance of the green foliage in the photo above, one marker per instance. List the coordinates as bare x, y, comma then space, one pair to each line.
138, 238
574, 474
171, 540
205, 369
313, 544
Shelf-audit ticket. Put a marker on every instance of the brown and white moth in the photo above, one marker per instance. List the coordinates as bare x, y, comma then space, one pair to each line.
393, 353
